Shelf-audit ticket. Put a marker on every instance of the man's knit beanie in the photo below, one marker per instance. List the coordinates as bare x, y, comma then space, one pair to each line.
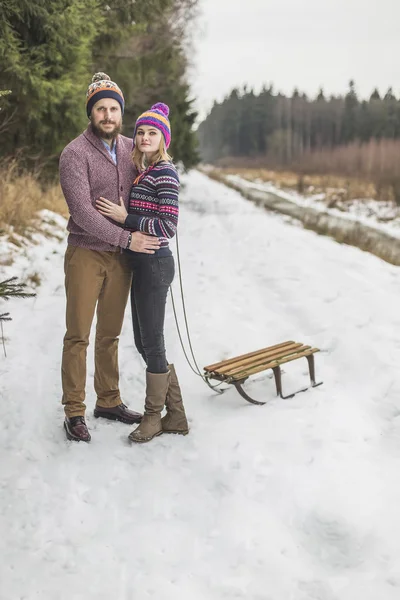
102, 87
156, 117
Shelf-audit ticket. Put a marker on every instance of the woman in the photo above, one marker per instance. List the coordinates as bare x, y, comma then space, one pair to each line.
153, 209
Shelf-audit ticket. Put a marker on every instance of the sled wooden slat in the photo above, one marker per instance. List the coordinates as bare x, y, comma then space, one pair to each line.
237, 369
272, 364
237, 358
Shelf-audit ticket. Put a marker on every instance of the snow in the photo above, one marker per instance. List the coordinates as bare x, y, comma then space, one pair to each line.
383, 216
294, 500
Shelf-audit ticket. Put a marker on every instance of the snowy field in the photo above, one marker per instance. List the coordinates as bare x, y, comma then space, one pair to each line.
295, 500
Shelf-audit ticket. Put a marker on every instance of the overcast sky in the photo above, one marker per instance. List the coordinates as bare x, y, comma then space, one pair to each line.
303, 43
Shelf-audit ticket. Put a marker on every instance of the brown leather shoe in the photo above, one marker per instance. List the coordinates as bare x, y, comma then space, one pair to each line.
118, 413
76, 429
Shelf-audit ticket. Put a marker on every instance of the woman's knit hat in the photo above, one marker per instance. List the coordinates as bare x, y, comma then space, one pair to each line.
156, 117
102, 87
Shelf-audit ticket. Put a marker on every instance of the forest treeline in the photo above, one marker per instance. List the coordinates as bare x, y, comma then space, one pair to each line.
338, 134
49, 50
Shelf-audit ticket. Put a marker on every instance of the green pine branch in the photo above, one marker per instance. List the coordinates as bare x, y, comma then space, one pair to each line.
11, 288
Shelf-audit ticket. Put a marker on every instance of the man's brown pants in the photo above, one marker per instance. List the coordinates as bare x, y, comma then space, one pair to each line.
93, 278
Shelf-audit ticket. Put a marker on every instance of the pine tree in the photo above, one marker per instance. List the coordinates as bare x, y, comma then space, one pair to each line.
45, 58
142, 46
49, 50
283, 128
11, 288
3, 93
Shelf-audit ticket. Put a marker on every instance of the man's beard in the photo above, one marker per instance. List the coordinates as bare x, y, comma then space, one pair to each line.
107, 135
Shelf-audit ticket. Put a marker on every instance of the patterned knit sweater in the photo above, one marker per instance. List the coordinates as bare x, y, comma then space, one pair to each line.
153, 203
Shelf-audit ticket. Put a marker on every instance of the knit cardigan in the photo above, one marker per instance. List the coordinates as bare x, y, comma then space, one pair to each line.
87, 172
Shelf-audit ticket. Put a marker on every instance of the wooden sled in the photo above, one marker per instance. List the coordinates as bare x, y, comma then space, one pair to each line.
236, 370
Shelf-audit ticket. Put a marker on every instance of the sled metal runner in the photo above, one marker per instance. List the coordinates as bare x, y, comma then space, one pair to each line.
238, 369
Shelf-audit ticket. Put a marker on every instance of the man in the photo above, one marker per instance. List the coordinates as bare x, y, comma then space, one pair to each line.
97, 164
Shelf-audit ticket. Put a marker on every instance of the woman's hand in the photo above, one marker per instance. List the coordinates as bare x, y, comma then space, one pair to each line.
113, 211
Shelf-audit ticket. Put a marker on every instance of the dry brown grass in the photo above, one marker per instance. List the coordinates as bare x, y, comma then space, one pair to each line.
34, 279
357, 170
334, 186
22, 196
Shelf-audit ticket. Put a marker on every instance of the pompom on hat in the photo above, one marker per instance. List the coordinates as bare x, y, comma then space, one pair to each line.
156, 117
102, 87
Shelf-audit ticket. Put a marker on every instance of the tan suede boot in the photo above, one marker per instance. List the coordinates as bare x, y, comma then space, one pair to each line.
156, 393
175, 420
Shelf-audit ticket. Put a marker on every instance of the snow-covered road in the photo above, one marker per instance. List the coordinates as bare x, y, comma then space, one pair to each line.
295, 500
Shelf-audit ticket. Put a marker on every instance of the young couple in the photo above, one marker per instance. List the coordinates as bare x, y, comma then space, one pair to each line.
123, 208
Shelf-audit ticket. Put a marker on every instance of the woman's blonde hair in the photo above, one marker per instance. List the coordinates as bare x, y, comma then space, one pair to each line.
139, 158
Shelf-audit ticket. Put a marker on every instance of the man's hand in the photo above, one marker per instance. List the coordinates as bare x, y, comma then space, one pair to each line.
146, 244
111, 210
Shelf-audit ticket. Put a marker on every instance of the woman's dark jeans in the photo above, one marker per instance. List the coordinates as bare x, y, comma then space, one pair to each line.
152, 276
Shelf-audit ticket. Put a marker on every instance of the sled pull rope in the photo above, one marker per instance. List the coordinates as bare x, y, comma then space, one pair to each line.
196, 370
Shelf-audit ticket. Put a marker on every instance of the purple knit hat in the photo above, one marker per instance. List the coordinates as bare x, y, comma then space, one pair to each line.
156, 117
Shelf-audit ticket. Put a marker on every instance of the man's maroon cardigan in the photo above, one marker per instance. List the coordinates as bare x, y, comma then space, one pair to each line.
87, 172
